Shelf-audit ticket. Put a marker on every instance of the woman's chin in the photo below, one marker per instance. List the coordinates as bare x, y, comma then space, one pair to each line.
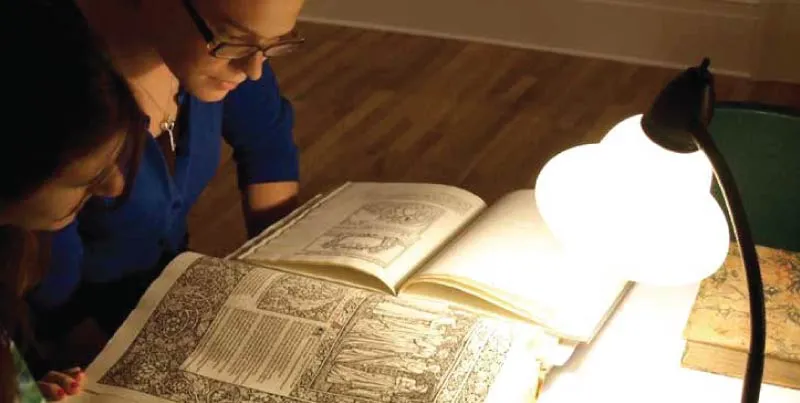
210, 94
208, 91
58, 224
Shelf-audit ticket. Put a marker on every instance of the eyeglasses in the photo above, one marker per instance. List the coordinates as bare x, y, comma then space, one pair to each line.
225, 50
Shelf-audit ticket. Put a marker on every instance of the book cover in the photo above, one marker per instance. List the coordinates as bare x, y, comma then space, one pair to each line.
718, 329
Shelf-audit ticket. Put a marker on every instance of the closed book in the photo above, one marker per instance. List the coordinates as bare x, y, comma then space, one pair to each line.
718, 330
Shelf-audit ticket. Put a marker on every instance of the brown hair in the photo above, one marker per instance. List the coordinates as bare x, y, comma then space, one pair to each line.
22, 263
80, 103
24, 255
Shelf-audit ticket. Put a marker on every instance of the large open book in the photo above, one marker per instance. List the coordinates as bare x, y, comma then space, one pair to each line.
375, 292
213, 330
444, 243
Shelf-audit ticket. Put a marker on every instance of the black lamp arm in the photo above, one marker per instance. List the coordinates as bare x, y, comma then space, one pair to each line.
741, 229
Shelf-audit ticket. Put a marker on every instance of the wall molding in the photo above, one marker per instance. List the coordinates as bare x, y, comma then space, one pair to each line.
742, 37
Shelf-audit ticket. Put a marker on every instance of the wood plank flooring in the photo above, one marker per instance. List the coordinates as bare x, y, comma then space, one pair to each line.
377, 106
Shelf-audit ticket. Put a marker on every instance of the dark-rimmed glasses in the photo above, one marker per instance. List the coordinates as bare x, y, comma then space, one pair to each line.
226, 50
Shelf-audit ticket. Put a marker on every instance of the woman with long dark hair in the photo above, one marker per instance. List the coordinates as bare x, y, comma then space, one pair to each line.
71, 131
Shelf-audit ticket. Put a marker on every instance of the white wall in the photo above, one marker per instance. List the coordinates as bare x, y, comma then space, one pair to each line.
742, 37
778, 55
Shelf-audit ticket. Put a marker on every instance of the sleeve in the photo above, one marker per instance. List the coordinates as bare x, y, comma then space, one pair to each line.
258, 123
64, 274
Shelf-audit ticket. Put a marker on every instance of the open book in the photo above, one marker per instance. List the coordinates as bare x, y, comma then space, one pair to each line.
308, 312
442, 242
214, 330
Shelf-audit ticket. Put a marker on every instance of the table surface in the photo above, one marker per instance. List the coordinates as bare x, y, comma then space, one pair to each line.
636, 358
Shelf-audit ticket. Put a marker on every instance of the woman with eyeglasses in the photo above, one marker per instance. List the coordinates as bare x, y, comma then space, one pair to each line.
72, 130
199, 71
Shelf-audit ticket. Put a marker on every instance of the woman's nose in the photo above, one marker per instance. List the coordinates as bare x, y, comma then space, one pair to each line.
254, 65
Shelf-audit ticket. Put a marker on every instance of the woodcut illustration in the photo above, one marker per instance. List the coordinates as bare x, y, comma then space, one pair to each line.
377, 232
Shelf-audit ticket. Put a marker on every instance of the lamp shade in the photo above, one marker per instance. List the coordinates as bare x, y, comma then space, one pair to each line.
631, 208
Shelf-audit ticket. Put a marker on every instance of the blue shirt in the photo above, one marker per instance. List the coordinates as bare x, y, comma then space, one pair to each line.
103, 246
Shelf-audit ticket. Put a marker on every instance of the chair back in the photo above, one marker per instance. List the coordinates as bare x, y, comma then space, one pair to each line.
761, 144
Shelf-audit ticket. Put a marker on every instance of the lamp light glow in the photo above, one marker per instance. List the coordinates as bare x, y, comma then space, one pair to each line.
645, 213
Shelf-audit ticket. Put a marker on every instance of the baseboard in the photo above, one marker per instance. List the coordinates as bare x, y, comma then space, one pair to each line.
670, 33
520, 45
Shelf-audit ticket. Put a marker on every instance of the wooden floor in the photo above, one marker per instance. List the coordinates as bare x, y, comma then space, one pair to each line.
389, 107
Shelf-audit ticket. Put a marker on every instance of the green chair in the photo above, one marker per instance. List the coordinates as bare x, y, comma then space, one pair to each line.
761, 143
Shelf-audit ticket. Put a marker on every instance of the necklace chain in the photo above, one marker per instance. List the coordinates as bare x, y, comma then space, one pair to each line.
168, 122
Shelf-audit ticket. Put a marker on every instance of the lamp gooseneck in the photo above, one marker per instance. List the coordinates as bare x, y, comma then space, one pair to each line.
678, 121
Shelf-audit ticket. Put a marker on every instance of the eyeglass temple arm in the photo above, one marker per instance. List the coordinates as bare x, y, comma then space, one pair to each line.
198, 21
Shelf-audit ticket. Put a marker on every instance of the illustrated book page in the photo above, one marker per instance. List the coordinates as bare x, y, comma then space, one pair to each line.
372, 235
224, 331
507, 262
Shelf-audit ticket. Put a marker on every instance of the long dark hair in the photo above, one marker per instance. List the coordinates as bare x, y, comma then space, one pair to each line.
65, 101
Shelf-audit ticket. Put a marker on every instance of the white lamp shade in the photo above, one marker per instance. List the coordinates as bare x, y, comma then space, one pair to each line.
634, 209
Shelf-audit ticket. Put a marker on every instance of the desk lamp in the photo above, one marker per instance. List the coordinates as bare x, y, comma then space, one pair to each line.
640, 203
